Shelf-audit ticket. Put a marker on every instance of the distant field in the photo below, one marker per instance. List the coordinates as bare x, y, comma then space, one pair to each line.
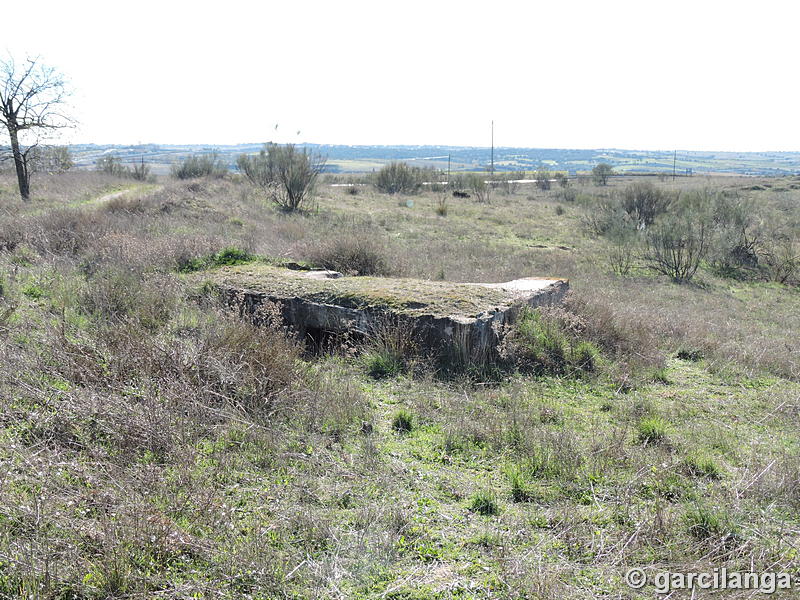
361, 159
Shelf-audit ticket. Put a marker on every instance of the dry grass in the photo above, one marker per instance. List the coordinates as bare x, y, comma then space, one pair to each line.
155, 446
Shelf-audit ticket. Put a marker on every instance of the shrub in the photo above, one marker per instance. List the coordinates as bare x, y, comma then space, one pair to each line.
34, 292
623, 244
403, 421
602, 214
50, 159
287, 175
562, 180
643, 202
202, 165
352, 255
689, 353
542, 177
66, 231
736, 237
780, 254
629, 337
507, 183
441, 205
675, 246
484, 502
568, 194
111, 165
476, 183
140, 171
584, 357
399, 178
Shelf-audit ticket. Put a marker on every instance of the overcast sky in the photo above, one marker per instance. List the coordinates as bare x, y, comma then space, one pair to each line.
565, 74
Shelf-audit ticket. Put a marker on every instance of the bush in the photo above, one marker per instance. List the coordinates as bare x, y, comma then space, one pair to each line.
111, 165
66, 231
202, 165
352, 255
507, 182
476, 183
140, 171
441, 205
622, 249
780, 254
736, 237
676, 245
542, 177
117, 295
287, 175
602, 214
643, 202
568, 194
399, 178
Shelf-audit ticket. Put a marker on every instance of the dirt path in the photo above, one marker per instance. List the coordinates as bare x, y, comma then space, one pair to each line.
119, 193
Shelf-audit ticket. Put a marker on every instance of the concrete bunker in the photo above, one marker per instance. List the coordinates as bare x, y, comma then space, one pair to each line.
466, 318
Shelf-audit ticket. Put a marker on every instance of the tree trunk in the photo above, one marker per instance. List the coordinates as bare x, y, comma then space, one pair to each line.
19, 163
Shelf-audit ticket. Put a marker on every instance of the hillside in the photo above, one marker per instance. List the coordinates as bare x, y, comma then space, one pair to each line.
155, 444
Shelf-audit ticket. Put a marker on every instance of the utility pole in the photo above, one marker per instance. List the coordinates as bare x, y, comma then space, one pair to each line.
492, 169
674, 162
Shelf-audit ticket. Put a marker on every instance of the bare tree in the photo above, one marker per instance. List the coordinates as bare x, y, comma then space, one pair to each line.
31, 98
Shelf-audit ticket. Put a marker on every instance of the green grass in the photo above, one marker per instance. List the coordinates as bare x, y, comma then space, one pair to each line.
484, 502
224, 258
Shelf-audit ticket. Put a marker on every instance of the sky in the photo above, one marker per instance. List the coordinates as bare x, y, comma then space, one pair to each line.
687, 75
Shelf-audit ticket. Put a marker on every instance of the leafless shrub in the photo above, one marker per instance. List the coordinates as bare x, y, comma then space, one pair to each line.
287, 175
675, 246
780, 253
399, 177
476, 183
353, 255
644, 202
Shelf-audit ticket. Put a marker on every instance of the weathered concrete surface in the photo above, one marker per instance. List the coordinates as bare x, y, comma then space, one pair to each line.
462, 317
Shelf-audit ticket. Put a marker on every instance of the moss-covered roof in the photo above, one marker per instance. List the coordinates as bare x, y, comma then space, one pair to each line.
407, 296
